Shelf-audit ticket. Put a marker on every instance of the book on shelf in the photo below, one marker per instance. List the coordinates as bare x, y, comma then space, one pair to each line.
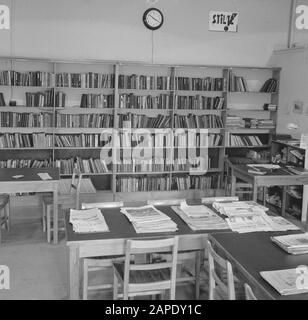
287, 281
88, 221
87, 120
191, 139
244, 141
195, 121
144, 183
85, 80
144, 82
23, 119
234, 122
148, 219
198, 102
200, 84
26, 163
270, 85
237, 83
91, 100
132, 101
143, 165
195, 182
19, 140
90, 165
30, 78
45, 99
2, 101
83, 140
142, 121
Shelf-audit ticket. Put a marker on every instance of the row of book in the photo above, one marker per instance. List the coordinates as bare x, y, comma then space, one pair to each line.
199, 102
143, 82
18, 119
195, 182
200, 84
195, 121
49, 79
92, 120
79, 140
140, 165
92, 100
252, 123
195, 139
163, 101
130, 120
244, 140
25, 163
20, 140
45, 99
237, 83
91, 165
270, 85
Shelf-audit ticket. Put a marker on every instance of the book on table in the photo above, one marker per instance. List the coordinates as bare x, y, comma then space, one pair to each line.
200, 217
88, 221
293, 243
286, 282
148, 219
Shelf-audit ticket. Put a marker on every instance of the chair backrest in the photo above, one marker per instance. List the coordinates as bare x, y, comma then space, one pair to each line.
75, 186
219, 199
140, 247
216, 277
102, 205
168, 202
248, 293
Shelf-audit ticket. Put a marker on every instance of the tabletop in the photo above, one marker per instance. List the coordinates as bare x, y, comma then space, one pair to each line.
29, 174
254, 252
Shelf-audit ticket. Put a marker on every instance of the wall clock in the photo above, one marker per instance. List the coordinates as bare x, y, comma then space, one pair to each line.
153, 18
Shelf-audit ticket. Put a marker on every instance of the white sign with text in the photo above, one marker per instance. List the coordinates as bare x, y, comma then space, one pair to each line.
223, 21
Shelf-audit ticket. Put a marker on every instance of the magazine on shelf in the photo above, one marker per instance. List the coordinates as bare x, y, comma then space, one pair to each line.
88, 221
286, 282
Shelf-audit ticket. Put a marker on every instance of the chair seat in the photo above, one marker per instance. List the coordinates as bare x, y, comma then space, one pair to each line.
144, 276
4, 200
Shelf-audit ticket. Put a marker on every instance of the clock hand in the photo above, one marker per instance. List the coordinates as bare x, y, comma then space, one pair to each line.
154, 18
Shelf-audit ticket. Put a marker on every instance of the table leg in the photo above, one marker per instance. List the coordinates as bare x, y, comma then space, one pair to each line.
254, 192
283, 201
233, 185
74, 272
55, 216
305, 204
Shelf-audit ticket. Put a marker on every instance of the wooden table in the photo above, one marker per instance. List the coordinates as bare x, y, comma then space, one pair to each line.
113, 242
31, 182
275, 178
251, 253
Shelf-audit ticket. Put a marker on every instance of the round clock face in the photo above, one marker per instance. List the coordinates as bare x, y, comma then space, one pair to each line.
153, 18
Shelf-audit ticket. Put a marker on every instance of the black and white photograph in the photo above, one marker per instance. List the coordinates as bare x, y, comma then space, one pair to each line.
153, 153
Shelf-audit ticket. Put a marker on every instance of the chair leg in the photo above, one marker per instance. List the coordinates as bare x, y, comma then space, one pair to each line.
85, 280
44, 217
48, 222
197, 274
115, 286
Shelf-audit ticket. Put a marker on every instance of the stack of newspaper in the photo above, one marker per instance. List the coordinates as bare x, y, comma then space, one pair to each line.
293, 243
287, 281
249, 216
88, 221
148, 219
200, 217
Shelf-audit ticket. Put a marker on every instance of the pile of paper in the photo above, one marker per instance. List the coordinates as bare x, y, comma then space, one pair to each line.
249, 216
88, 221
293, 243
286, 281
148, 219
200, 217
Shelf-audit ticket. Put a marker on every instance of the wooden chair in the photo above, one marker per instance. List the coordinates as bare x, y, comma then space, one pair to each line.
217, 286
185, 275
5, 208
98, 264
147, 278
248, 293
71, 200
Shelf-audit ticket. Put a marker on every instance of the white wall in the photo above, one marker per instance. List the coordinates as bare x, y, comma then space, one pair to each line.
113, 30
293, 87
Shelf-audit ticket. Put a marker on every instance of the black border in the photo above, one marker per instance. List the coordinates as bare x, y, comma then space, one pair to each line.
145, 22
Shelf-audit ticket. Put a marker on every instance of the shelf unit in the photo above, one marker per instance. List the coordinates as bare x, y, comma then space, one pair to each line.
140, 90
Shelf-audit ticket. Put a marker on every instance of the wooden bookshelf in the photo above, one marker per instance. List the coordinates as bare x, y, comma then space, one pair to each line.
93, 89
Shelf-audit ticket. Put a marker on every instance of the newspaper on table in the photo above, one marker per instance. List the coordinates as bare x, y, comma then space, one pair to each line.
200, 217
249, 216
286, 282
148, 219
293, 243
88, 221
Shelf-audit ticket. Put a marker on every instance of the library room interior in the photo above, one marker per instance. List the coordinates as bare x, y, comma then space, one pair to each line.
153, 150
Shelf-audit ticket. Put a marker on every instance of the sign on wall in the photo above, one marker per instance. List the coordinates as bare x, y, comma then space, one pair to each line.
223, 21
